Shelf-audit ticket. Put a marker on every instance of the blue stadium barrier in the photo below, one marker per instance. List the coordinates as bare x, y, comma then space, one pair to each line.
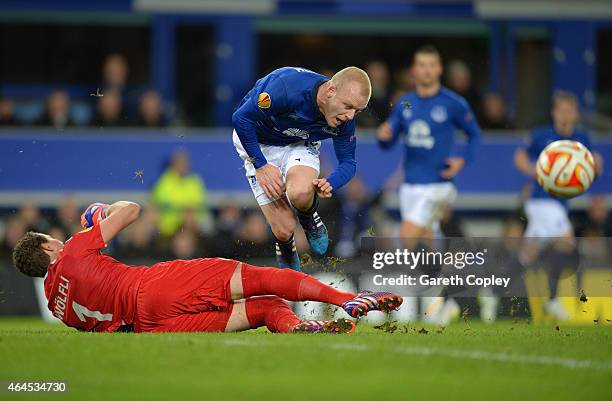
44, 163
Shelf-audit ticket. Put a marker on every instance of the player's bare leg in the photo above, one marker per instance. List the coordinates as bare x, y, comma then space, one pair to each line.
413, 235
301, 194
418, 237
238, 320
556, 257
281, 219
300, 190
236, 291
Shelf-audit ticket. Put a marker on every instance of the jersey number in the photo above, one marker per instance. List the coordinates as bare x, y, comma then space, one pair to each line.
81, 311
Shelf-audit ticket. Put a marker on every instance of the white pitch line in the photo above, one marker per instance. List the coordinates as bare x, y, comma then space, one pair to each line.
454, 353
349, 346
506, 357
247, 343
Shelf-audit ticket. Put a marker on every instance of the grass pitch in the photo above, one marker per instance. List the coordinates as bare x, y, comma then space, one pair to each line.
474, 361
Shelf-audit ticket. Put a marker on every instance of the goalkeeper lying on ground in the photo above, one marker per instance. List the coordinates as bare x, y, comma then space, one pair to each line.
94, 292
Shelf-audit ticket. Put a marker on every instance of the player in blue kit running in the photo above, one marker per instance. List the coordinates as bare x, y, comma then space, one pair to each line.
427, 120
278, 127
549, 234
547, 215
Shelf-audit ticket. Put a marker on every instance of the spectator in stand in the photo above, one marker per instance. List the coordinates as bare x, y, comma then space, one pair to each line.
252, 237
30, 215
68, 217
115, 77
58, 233
598, 222
177, 193
141, 237
7, 112
115, 73
459, 79
109, 110
355, 217
227, 225
378, 108
228, 220
184, 246
403, 82
150, 112
15, 229
57, 113
494, 114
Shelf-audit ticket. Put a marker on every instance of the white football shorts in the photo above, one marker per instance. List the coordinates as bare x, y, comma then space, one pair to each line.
424, 204
284, 157
546, 218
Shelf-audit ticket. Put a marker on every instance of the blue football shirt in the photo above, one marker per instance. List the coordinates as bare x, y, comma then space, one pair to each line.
427, 126
282, 109
538, 140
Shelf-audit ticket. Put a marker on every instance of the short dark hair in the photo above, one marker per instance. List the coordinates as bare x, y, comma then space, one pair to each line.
29, 257
427, 49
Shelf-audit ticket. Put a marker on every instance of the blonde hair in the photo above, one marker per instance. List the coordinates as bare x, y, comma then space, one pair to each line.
355, 74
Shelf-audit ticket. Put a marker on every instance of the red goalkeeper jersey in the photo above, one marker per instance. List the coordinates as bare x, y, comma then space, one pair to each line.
91, 291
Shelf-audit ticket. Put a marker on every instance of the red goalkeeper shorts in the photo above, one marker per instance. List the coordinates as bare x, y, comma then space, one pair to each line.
185, 295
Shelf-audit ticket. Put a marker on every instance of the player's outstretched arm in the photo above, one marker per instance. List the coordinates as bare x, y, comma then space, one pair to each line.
118, 216
384, 133
523, 164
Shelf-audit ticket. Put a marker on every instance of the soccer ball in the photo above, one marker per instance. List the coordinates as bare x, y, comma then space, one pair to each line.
565, 169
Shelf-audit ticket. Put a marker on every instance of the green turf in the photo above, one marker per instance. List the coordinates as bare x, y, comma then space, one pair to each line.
463, 362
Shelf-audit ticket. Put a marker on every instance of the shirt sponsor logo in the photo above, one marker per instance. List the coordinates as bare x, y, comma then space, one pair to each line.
296, 132
407, 114
438, 114
264, 101
419, 135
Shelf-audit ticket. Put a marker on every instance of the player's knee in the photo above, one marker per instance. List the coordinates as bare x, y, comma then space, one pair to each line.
283, 230
275, 302
301, 196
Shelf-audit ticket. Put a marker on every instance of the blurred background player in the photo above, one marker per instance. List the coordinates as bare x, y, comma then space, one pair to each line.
94, 292
547, 216
427, 119
277, 129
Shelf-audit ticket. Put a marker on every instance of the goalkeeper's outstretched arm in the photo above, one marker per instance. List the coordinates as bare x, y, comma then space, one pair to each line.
118, 216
